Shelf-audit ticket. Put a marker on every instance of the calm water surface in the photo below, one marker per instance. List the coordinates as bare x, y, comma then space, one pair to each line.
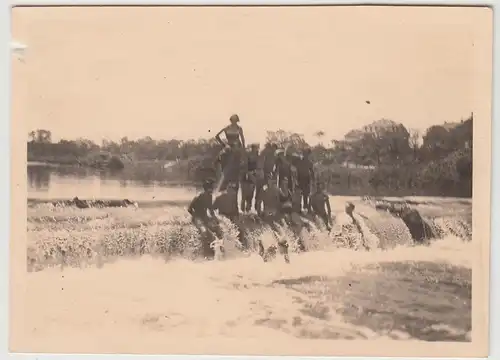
46, 182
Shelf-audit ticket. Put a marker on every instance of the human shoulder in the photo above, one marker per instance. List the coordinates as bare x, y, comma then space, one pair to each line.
206, 196
196, 200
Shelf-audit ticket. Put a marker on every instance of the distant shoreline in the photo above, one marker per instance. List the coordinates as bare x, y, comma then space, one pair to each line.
42, 163
142, 204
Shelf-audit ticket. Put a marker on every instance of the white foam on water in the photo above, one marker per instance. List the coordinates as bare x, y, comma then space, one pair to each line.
181, 298
148, 305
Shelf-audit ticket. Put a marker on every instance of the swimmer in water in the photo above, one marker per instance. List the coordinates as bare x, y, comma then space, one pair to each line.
349, 210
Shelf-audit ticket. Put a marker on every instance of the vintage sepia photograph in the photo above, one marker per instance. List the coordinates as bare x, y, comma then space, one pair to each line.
251, 180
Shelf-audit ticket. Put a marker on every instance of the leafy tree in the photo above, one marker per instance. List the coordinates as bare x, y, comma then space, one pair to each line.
40, 136
287, 140
381, 158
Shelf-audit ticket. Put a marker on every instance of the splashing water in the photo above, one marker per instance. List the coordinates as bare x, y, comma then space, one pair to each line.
397, 290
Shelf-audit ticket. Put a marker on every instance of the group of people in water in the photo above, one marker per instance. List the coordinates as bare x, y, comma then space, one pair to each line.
278, 184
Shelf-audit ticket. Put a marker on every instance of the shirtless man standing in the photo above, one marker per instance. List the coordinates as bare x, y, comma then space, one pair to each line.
198, 208
249, 178
305, 172
272, 198
266, 170
284, 169
227, 205
320, 206
227, 202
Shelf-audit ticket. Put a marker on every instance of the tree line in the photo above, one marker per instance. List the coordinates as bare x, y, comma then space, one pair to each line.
383, 157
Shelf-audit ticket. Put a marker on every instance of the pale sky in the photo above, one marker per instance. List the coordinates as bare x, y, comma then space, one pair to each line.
180, 72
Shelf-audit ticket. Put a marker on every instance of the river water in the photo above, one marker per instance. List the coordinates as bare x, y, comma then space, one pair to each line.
403, 292
64, 182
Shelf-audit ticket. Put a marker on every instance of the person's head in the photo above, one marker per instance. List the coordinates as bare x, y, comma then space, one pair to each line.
208, 186
234, 119
349, 208
254, 148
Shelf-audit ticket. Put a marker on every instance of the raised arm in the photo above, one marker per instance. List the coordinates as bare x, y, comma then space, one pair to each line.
242, 136
275, 167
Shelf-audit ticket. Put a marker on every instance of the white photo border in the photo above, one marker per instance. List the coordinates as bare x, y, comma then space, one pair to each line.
5, 131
